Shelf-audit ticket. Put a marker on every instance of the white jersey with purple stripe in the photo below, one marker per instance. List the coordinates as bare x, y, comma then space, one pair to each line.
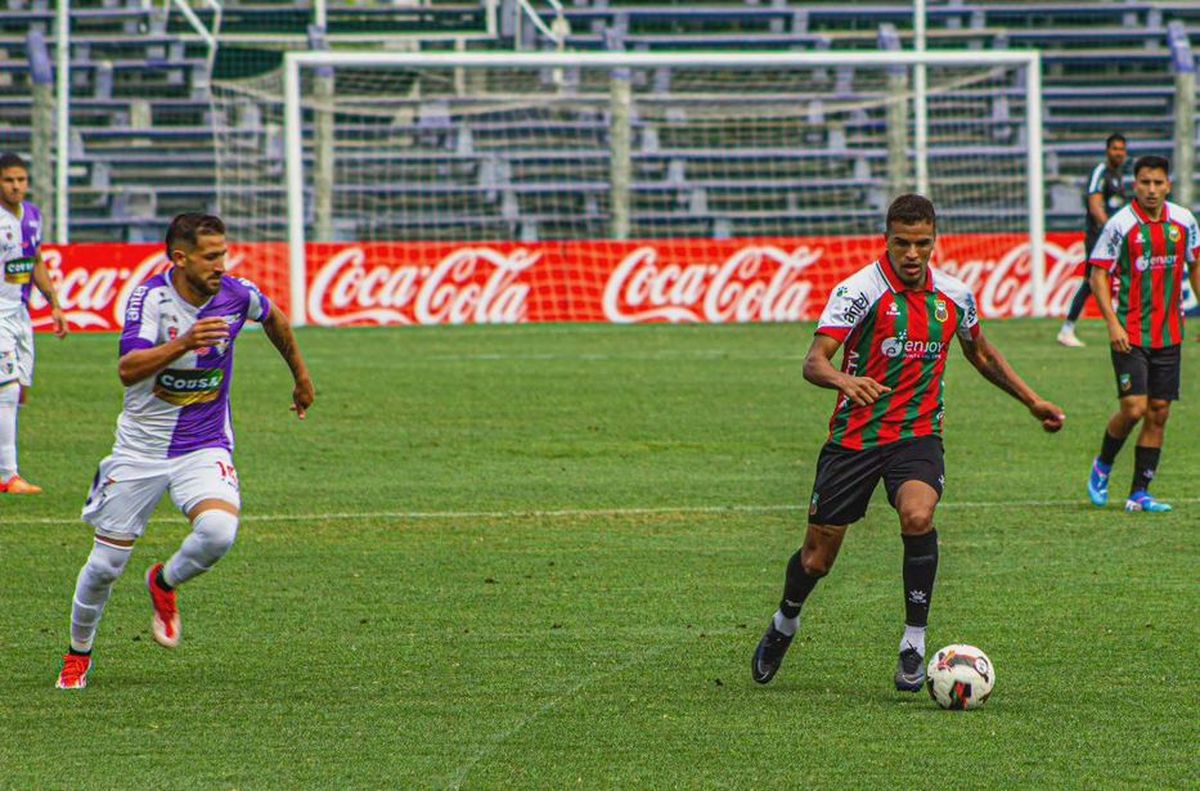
18, 267
184, 407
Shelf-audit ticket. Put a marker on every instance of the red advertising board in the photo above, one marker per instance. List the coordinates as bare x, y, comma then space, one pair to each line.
690, 280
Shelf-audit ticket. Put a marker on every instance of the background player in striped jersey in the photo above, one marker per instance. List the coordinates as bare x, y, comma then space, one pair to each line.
896, 318
175, 433
21, 272
1103, 196
1145, 247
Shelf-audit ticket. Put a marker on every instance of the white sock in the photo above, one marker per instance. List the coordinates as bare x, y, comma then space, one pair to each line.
785, 624
1068, 326
103, 567
212, 535
914, 637
9, 397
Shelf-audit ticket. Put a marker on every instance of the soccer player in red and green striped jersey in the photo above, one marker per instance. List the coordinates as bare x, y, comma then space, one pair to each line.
895, 318
1145, 248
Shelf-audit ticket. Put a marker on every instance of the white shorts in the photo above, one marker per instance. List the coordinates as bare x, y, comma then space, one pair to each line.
16, 349
127, 489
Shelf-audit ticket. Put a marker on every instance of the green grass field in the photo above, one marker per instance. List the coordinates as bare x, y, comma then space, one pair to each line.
542, 556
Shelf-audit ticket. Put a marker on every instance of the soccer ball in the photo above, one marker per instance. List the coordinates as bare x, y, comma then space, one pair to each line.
960, 677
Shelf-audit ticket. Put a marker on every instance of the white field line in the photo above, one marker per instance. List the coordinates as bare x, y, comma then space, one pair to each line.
570, 513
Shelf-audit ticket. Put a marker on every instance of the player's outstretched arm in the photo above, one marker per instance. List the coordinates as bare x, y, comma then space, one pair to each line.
818, 369
988, 360
1102, 288
138, 364
41, 279
278, 329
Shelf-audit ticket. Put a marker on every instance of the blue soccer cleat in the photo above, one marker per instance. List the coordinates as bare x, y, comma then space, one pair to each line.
1098, 483
1142, 501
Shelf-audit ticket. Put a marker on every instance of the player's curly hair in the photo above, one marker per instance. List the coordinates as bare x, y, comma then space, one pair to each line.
911, 209
187, 228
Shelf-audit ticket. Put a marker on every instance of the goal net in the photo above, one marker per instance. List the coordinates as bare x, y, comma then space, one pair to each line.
436, 188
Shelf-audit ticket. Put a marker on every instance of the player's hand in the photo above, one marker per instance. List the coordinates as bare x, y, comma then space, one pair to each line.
862, 390
303, 396
1051, 415
60, 322
205, 332
1119, 338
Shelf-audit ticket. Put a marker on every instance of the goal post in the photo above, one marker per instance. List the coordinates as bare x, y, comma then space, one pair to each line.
616, 148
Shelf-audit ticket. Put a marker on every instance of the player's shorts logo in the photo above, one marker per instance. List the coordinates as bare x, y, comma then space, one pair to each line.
18, 271
186, 387
812, 504
1126, 382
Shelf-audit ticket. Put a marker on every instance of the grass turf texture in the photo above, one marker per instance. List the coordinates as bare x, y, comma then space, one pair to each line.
528, 629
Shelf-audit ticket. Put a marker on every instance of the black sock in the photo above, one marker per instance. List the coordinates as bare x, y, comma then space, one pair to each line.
920, 569
797, 587
1109, 448
1080, 300
73, 652
1145, 463
161, 581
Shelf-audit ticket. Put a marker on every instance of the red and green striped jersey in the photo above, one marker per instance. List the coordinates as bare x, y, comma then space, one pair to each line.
900, 338
1147, 260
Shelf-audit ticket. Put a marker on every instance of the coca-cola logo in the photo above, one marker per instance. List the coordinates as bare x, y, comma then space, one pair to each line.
93, 297
1005, 286
755, 283
469, 285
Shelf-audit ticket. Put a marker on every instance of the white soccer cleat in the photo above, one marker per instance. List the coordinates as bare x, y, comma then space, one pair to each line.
1067, 338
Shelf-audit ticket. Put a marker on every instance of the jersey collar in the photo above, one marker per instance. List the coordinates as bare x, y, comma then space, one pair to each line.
889, 274
1144, 219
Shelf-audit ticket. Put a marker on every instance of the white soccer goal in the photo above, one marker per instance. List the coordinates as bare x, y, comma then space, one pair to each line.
604, 168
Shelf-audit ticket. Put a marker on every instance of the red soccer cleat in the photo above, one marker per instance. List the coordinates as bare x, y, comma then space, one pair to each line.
165, 623
74, 672
18, 485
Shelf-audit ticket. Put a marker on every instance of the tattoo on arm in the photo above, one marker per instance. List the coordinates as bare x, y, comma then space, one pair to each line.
280, 335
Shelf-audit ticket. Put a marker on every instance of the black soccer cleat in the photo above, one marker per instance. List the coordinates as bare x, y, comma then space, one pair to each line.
910, 671
769, 654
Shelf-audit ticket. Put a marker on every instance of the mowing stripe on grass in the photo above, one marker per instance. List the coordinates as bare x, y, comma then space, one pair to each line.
581, 512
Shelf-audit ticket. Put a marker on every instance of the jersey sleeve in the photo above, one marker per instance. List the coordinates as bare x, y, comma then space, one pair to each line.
1193, 239
1096, 182
968, 319
847, 307
1108, 247
141, 322
258, 307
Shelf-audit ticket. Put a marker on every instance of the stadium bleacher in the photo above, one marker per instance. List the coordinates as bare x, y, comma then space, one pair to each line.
142, 143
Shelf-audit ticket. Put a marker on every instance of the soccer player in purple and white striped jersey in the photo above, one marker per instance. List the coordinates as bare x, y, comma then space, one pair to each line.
21, 222
175, 433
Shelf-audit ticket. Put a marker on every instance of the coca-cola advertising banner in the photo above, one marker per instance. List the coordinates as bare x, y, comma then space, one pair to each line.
696, 280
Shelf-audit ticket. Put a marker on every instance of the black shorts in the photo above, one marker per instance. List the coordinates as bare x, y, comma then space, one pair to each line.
846, 479
1148, 372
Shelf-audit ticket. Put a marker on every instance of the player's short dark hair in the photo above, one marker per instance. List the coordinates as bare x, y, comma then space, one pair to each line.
1153, 162
911, 209
1115, 137
187, 228
11, 160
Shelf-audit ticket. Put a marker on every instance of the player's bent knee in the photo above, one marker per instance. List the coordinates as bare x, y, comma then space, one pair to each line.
1133, 410
217, 528
106, 563
916, 522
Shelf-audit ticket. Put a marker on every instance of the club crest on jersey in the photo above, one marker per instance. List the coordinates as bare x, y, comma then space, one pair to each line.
940, 313
1172, 233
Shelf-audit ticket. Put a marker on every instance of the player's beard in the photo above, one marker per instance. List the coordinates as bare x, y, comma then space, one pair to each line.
204, 285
